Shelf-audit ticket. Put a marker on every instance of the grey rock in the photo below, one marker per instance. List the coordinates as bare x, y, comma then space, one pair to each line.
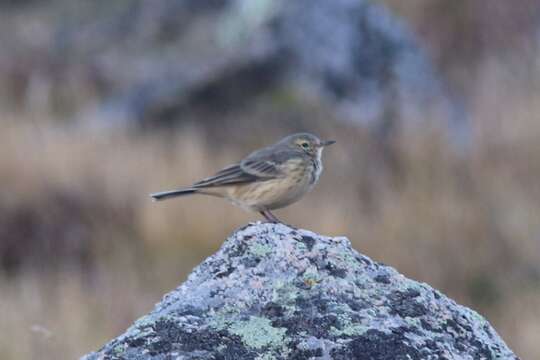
159, 61
276, 292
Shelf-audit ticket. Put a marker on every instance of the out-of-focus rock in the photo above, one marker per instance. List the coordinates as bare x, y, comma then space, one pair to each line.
274, 292
158, 61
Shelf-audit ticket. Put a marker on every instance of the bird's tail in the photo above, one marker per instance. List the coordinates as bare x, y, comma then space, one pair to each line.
171, 194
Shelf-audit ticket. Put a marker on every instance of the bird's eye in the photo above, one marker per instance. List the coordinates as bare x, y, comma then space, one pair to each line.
305, 145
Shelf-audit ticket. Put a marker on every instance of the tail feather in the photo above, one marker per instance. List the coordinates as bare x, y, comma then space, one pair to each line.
171, 194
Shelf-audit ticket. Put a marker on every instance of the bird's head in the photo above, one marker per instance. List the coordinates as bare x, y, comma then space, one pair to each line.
307, 143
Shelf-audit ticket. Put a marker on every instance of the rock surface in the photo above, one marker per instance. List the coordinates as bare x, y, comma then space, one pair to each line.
275, 292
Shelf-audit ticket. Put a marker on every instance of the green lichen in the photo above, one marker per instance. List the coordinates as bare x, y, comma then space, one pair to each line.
311, 277
258, 332
349, 330
347, 327
413, 322
141, 325
119, 349
284, 294
349, 260
260, 250
222, 319
265, 357
301, 246
371, 313
341, 309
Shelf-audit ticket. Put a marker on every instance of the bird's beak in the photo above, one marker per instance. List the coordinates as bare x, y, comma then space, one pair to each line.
327, 142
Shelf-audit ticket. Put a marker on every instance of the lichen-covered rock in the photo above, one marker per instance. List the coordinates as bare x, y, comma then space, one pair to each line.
275, 292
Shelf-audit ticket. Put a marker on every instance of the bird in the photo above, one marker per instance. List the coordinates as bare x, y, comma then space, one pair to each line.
267, 179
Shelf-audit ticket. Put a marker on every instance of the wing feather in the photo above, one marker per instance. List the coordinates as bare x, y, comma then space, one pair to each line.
261, 168
261, 165
230, 175
265, 163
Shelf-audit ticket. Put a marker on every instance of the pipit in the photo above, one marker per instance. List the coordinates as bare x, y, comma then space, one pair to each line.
267, 179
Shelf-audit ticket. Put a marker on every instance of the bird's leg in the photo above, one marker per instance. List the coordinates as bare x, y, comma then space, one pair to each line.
263, 213
273, 217
269, 216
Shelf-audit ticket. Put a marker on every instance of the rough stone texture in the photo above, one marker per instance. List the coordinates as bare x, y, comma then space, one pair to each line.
275, 292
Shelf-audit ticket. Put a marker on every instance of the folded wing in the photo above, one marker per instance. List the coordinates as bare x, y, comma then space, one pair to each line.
228, 176
259, 166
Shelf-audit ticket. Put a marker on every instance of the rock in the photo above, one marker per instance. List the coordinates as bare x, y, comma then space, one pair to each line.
156, 62
275, 292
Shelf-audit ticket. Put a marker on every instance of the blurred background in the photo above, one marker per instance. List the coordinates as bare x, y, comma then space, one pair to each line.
435, 105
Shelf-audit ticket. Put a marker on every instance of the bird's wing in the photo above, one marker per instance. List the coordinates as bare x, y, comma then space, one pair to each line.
263, 169
260, 165
265, 164
232, 174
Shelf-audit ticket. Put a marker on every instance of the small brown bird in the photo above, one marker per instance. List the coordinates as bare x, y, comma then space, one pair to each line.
267, 179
